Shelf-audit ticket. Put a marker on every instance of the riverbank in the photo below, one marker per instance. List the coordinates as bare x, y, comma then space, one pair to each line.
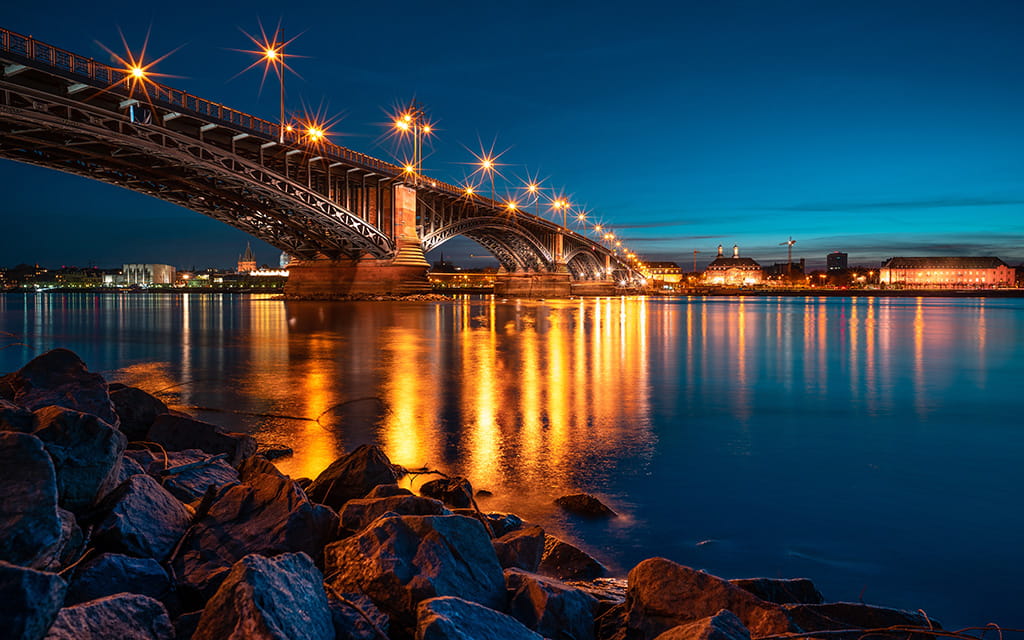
125, 519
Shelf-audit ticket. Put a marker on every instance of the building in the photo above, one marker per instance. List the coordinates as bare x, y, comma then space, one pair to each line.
947, 273
247, 261
667, 272
837, 261
149, 274
734, 271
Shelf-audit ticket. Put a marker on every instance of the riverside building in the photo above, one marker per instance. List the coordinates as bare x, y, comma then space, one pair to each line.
734, 271
947, 273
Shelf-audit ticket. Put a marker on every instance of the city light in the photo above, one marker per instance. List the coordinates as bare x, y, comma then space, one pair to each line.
273, 58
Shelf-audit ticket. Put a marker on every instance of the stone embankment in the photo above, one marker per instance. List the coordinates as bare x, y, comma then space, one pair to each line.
122, 519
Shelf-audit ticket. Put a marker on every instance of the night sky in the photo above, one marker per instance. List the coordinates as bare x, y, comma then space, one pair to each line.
876, 128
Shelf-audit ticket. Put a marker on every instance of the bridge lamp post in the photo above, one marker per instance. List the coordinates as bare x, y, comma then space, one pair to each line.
534, 190
273, 55
413, 122
487, 166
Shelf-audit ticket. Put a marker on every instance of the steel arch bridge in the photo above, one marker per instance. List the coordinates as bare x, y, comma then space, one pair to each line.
314, 201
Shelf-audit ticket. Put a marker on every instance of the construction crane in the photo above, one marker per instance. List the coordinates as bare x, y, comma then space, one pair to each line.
789, 259
695, 252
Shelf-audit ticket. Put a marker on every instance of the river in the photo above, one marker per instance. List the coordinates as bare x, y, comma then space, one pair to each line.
871, 444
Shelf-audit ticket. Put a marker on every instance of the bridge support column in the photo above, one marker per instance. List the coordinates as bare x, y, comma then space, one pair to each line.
403, 274
534, 285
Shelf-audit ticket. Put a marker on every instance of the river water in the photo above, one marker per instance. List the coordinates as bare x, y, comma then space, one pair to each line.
871, 444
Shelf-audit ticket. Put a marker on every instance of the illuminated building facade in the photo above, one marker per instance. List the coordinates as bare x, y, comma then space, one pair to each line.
947, 273
247, 261
837, 261
667, 272
147, 274
734, 271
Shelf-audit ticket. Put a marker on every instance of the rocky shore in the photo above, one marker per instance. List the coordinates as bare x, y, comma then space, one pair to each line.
123, 519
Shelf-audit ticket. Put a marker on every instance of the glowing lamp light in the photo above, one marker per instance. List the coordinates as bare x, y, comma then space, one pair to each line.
402, 125
532, 187
426, 128
315, 134
469, 191
138, 72
597, 228
271, 53
409, 168
289, 128
512, 206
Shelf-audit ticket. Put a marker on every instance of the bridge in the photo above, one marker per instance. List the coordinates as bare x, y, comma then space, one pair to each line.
353, 224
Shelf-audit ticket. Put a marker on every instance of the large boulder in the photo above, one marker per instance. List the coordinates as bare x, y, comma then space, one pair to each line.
125, 616
280, 598
267, 514
520, 549
30, 526
141, 519
855, 615
178, 432
388, 490
112, 573
355, 617
724, 625
191, 472
584, 504
29, 601
550, 607
136, 409
352, 476
450, 618
86, 453
15, 418
59, 377
782, 590
72, 540
662, 594
402, 560
455, 492
360, 512
567, 562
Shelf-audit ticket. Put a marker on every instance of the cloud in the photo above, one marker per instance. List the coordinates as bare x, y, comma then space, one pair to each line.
881, 205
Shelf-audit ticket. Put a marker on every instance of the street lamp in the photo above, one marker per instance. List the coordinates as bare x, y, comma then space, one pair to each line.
413, 121
272, 56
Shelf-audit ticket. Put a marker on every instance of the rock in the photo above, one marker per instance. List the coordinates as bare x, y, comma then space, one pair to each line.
388, 490
280, 598
7, 387
351, 623
782, 591
59, 377
15, 418
72, 540
662, 594
267, 514
191, 472
185, 625
484, 493
150, 462
141, 519
29, 601
611, 625
550, 607
566, 562
86, 452
125, 616
724, 625
360, 512
352, 476
521, 549
274, 451
608, 591
584, 504
136, 409
128, 468
455, 492
178, 433
113, 573
30, 527
400, 561
450, 618
499, 523
852, 615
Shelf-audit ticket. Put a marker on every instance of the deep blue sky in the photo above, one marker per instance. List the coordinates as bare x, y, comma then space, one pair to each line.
876, 128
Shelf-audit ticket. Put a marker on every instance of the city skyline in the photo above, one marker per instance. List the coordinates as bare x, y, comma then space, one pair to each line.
874, 130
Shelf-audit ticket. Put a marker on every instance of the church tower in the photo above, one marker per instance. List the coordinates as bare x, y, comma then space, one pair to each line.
247, 261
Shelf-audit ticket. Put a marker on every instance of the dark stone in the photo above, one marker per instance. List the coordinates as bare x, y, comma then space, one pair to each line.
141, 519
125, 616
450, 618
387, 491
584, 504
280, 598
852, 615
402, 560
15, 418
178, 433
611, 625
266, 514
356, 617
484, 493
128, 468
608, 591
521, 549
455, 492
7, 387
662, 594
72, 540
352, 476
567, 562
150, 462
30, 526
191, 472
136, 409
550, 607
185, 625
86, 453
360, 512
59, 377
498, 523
782, 591
29, 601
274, 451
113, 573
724, 625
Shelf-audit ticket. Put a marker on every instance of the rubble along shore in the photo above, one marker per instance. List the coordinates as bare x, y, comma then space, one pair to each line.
124, 519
